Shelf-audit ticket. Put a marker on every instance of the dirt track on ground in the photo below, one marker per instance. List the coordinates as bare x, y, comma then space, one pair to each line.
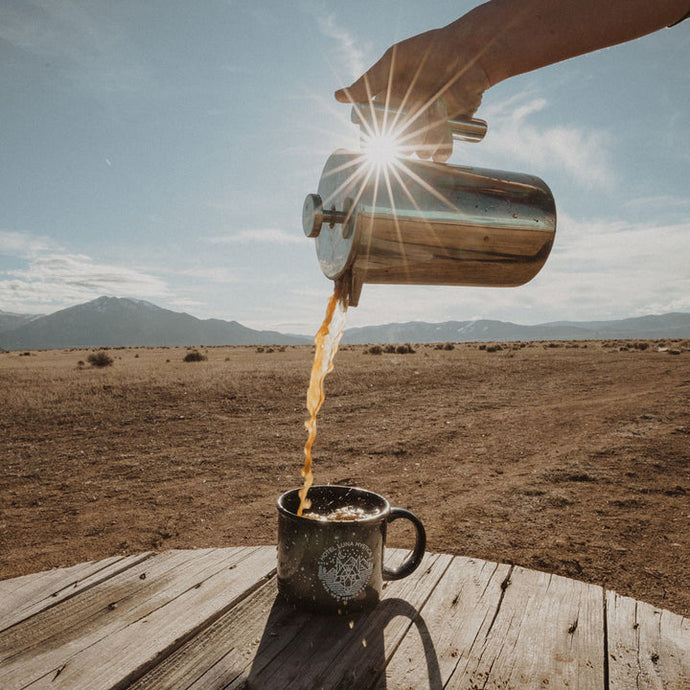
570, 458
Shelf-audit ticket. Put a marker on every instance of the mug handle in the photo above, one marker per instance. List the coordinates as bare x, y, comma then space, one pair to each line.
410, 565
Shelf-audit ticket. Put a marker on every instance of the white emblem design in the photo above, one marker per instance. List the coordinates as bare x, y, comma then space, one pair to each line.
345, 569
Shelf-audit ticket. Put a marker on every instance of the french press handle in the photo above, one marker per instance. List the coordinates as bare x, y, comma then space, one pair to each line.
462, 129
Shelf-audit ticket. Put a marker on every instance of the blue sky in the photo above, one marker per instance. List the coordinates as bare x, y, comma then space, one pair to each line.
162, 150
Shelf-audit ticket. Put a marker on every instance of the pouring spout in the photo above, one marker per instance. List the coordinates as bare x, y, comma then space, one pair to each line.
351, 285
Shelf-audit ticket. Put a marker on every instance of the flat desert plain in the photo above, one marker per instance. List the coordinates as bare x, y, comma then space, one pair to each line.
571, 458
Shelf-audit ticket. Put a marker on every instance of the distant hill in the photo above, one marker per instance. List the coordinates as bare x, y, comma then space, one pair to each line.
10, 321
675, 325
121, 322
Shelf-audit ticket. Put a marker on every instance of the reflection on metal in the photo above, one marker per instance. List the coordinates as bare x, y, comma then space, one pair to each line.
428, 223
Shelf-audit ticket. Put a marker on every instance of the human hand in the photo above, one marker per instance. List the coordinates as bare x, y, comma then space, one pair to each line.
443, 73
434, 76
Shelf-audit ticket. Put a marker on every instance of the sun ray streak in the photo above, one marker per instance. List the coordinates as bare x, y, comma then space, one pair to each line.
396, 220
370, 234
360, 171
358, 196
357, 169
355, 163
360, 191
411, 118
363, 121
427, 223
425, 185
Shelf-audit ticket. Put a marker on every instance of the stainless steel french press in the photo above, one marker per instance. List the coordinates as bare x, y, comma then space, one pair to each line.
425, 223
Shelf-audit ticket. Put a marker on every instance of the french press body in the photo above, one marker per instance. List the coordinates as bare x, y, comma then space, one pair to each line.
425, 223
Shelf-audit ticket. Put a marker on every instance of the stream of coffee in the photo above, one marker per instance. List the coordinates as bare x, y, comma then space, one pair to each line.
326, 340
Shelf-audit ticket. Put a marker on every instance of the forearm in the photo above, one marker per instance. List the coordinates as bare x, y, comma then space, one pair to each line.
517, 36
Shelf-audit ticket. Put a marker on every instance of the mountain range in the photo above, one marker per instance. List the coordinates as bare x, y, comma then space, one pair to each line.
124, 322
673, 325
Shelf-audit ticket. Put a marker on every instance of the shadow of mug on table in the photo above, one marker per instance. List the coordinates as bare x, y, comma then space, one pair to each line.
332, 562
300, 650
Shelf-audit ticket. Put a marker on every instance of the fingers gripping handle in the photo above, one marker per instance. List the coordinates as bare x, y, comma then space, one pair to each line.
410, 565
462, 129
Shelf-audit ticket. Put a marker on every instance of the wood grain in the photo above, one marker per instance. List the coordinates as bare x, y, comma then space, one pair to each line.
127, 621
212, 618
465, 600
42, 590
547, 630
647, 647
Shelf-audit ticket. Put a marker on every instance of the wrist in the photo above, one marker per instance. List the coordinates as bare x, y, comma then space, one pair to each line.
480, 37
465, 62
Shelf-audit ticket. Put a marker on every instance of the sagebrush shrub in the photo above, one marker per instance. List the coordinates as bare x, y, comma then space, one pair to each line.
194, 356
99, 359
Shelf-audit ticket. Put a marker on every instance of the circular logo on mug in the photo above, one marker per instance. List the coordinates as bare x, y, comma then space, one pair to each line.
345, 569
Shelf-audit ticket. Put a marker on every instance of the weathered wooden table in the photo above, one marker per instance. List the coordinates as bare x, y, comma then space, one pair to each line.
211, 618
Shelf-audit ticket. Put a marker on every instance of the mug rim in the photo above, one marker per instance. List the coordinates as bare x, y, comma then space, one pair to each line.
356, 521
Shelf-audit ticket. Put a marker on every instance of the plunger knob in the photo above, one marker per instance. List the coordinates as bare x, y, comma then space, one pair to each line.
314, 215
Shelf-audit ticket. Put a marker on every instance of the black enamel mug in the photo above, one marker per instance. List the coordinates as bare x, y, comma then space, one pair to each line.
333, 564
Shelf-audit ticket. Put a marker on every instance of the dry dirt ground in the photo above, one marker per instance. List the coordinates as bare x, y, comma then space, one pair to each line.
570, 458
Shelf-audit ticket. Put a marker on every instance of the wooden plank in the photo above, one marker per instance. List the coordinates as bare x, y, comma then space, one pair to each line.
334, 652
212, 618
132, 651
107, 629
647, 647
43, 642
547, 630
58, 575
36, 592
156, 631
71, 613
467, 596
223, 651
264, 642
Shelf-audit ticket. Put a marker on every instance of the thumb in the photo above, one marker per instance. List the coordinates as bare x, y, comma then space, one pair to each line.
359, 92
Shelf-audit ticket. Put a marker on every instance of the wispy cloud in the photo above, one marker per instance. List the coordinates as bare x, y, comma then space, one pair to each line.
52, 277
582, 154
24, 245
633, 252
668, 205
184, 304
271, 235
599, 268
349, 53
214, 274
